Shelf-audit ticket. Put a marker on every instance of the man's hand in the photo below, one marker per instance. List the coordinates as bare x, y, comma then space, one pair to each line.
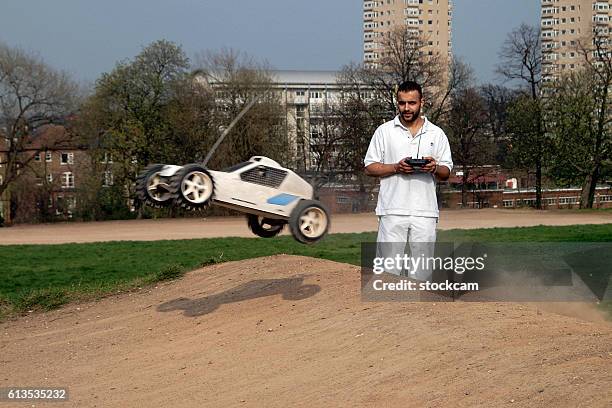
403, 167
431, 166
442, 173
385, 170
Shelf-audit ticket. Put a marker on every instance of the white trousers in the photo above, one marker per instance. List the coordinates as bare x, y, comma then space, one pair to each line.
394, 231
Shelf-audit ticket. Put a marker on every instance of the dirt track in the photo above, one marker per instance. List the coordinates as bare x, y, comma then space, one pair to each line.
151, 230
292, 331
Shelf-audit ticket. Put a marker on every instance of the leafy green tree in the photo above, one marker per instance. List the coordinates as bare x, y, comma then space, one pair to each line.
529, 148
126, 117
580, 118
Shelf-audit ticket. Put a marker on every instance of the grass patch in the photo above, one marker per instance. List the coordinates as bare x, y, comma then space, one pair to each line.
42, 277
41, 299
169, 272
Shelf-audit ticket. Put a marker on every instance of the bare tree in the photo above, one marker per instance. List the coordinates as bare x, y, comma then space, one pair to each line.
324, 144
521, 61
467, 132
404, 55
359, 111
460, 76
236, 79
497, 100
521, 58
32, 95
368, 92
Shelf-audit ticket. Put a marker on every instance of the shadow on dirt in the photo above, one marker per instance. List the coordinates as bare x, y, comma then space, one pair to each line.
290, 289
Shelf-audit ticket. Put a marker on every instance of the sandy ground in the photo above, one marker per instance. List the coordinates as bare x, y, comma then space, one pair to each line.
151, 230
289, 331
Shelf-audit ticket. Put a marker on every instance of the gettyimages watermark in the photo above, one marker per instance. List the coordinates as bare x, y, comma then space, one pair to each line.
474, 271
415, 263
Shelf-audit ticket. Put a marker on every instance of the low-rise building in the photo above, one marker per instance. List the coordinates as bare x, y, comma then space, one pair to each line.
54, 166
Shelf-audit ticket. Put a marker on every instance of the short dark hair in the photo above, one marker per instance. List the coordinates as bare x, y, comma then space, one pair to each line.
408, 86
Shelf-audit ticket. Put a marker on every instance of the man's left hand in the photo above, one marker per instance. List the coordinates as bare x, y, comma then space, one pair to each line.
431, 166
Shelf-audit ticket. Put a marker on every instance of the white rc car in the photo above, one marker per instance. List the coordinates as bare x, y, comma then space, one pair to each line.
268, 193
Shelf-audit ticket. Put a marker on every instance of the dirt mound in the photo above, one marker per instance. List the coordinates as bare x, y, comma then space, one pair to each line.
293, 331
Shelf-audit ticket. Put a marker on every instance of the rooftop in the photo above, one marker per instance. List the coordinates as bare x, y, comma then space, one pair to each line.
304, 77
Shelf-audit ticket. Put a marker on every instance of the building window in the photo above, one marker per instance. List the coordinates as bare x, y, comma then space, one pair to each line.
67, 158
300, 111
37, 156
50, 178
67, 180
528, 201
568, 200
48, 157
508, 203
107, 158
108, 178
342, 200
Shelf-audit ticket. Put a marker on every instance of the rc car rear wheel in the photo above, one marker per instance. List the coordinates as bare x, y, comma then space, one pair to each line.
192, 187
265, 227
309, 221
152, 188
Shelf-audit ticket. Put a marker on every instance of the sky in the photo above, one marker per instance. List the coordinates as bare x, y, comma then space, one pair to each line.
87, 38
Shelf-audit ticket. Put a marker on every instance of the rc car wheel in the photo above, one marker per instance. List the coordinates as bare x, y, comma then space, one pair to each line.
265, 227
152, 188
192, 187
309, 221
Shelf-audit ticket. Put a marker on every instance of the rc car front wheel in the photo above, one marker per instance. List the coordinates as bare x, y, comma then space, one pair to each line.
309, 221
192, 187
265, 227
152, 188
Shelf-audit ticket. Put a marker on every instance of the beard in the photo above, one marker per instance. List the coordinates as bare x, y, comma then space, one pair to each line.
413, 116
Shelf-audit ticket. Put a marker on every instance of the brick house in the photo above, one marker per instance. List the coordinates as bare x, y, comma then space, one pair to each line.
54, 168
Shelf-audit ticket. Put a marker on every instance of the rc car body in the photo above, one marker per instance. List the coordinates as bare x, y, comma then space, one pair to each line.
271, 195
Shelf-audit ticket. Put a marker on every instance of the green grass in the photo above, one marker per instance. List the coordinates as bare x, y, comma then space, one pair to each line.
43, 277
570, 233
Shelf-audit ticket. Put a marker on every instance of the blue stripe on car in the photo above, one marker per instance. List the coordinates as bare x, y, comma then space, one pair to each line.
282, 199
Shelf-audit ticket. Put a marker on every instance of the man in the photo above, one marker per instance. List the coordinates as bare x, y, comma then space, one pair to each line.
407, 205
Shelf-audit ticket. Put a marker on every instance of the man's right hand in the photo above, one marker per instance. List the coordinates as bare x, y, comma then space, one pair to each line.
385, 170
403, 167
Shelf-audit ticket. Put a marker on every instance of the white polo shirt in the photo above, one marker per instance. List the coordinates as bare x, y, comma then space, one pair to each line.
408, 194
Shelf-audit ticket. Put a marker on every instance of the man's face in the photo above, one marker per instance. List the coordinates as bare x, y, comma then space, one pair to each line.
409, 105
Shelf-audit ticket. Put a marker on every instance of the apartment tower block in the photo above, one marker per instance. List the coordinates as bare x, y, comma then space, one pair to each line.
565, 25
431, 19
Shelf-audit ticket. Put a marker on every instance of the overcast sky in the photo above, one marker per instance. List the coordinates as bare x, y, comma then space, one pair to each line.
87, 38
